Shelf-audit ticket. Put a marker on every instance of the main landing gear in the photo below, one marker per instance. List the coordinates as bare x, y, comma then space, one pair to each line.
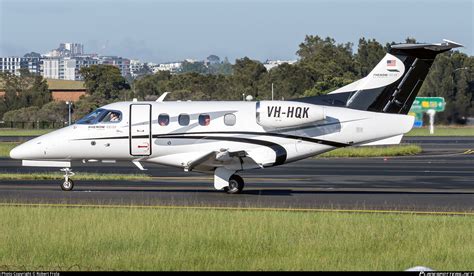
236, 185
68, 184
226, 179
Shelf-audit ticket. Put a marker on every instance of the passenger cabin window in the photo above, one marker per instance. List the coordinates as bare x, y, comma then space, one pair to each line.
163, 119
183, 119
101, 116
204, 119
229, 119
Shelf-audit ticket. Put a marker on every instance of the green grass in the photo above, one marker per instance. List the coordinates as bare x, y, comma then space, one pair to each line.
23, 132
59, 238
375, 151
81, 176
6, 147
442, 131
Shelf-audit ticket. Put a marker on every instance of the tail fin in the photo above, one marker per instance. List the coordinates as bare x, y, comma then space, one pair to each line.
391, 87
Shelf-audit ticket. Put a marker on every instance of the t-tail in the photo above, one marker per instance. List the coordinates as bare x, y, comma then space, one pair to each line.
391, 87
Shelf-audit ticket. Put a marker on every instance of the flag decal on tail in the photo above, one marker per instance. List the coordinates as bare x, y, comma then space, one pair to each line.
392, 65
391, 62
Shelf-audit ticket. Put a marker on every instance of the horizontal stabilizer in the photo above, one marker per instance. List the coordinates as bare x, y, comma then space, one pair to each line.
394, 140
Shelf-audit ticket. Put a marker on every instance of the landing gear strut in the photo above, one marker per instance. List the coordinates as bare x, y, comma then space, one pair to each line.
236, 185
68, 184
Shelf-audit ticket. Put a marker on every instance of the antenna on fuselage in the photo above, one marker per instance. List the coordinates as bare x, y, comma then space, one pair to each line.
162, 97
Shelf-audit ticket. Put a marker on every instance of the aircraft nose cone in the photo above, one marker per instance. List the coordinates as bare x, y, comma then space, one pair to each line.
18, 152
27, 150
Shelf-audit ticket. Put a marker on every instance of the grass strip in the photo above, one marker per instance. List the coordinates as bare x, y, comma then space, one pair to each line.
6, 147
46, 238
81, 176
375, 151
442, 131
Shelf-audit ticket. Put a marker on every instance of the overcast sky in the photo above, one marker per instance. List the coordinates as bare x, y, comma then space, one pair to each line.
160, 31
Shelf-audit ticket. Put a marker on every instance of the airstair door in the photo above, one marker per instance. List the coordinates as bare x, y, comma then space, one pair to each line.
140, 130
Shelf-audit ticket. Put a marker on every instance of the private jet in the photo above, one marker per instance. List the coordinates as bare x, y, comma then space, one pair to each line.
226, 137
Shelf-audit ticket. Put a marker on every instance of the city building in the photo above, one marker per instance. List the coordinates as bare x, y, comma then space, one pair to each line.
270, 64
14, 64
66, 68
66, 90
75, 49
135, 67
66, 50
173, 67
122, 63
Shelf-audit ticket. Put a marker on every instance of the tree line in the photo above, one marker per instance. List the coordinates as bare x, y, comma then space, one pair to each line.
323, 66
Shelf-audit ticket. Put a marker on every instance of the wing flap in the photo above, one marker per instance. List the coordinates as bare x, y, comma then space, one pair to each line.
234, 160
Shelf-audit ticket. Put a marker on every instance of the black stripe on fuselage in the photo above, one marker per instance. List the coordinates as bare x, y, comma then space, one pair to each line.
273, 134
280, 135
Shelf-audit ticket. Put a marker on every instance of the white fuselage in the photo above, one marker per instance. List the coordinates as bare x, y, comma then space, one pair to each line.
140, 137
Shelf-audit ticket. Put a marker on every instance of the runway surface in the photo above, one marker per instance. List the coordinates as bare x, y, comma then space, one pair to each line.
440, 179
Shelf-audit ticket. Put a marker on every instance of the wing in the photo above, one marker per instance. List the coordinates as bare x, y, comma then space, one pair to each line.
237, 160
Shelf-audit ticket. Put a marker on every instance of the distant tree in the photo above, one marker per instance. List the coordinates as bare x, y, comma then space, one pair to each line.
23, 91
289, 81
25, 114
213, 59
185, 95
225, 68
38, 92
326, 86
369, 54
150, 85
449, 80
197, 86
53, 112
326, 59
247, 74
194, 67
104, 81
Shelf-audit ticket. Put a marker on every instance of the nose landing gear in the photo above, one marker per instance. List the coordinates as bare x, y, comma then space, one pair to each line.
68, 184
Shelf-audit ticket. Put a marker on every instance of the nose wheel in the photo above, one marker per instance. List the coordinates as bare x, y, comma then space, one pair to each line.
67, 184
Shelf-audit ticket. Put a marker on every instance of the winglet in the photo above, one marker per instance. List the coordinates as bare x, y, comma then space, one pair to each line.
162, 97
450, 42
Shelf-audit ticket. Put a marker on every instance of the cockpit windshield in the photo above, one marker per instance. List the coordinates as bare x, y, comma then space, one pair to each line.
101, 116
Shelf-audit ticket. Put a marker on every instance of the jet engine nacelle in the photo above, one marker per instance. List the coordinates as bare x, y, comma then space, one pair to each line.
284, 114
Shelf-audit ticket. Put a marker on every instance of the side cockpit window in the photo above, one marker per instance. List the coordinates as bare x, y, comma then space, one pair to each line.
101, 116
112, 117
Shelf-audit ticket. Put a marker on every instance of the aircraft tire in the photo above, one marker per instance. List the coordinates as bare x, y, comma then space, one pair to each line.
67, 185
236, 185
